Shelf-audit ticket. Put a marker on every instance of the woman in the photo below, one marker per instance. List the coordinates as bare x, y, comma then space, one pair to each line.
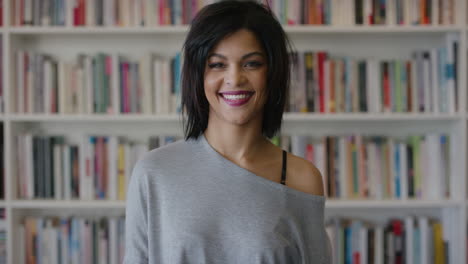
226, 194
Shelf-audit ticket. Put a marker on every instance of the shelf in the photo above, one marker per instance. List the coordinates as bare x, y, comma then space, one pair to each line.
64, 204
183, 29
391, 204
330, 204
287, 117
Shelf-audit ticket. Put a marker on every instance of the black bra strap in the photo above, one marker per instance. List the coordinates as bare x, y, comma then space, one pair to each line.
283, 172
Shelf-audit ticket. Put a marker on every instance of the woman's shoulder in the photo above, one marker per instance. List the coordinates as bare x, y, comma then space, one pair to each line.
303, 175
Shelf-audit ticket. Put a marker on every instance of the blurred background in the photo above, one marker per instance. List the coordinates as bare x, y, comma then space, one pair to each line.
377, 103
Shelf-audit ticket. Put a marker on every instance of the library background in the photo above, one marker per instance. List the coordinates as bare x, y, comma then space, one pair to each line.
377, 103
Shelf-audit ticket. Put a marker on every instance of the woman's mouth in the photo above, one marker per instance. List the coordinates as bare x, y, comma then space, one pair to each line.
236, 98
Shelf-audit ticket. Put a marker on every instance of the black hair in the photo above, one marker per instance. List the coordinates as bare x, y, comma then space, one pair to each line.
213, 23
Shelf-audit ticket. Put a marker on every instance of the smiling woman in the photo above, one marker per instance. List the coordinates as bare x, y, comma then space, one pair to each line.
226, 194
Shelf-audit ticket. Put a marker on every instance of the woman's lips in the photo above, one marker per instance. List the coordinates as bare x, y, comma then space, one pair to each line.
236, 98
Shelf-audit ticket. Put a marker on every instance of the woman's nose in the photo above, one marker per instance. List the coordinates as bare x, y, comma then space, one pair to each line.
234, 77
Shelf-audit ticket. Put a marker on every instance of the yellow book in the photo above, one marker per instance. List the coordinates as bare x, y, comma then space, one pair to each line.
439, 250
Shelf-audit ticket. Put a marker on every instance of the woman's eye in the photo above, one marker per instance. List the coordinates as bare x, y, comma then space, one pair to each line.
254, 64
215, 65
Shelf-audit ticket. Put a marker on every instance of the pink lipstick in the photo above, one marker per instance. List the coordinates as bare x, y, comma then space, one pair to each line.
236, 98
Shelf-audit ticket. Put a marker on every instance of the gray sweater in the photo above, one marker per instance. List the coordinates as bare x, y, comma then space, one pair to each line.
188, 204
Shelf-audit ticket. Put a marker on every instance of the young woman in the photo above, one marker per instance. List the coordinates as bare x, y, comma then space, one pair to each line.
226, 194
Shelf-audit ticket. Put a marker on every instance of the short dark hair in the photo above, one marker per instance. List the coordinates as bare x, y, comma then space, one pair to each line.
213, 23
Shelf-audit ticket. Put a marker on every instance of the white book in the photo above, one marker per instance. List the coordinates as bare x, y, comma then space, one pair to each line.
109, 12
391, 12
150, 12
28, 165
57, 171
423, 224
53, 244
434, 81
69, 5
379, 245
319, 158
67, 172
21, 244
409, 231
90, 13
363, 244
435, 12
426, 64
403, 171
406, 12
113, 239
298, 144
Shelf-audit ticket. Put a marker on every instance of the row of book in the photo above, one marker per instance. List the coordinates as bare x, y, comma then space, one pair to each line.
178, 12
356, 166
427, 82
97, 167
103, 83
72, 240
418, 240
121, 13
364, 12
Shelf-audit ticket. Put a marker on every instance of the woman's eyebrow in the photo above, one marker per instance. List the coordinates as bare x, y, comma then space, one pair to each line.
243, 57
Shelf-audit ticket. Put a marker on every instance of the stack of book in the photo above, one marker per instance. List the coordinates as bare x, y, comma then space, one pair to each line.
103, 83
378, 167
410, 240
99, 167
120, 13
72, 240
364, 12
427, 82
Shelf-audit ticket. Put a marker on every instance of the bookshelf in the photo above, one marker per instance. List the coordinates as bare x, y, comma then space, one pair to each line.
377, 40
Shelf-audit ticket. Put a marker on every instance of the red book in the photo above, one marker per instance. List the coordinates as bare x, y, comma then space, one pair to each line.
76, 14
386, 87
321, 60
397, 226
126, 106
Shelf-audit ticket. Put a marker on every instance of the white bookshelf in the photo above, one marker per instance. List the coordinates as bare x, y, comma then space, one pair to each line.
385, 41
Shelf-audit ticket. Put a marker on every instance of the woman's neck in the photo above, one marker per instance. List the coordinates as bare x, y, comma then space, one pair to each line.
240, 144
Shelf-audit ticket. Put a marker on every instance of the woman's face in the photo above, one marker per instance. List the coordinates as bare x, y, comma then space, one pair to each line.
235, 78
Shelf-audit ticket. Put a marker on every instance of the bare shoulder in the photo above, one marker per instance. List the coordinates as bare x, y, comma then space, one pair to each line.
303, 175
